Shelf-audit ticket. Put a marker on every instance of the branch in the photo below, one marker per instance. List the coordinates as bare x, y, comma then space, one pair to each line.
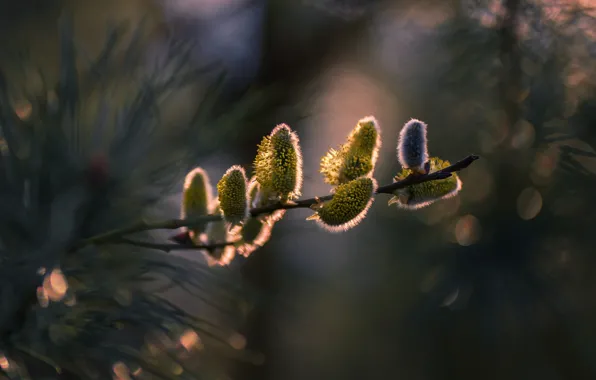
171, 224
387, 189
116, 236
171, 247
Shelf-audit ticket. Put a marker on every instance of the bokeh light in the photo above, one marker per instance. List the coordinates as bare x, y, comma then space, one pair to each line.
237, 341
121, 371
42, 297
190, 340
467, 230
55, 285
529, 203
4, 362
480, 178
523, 135
23, 110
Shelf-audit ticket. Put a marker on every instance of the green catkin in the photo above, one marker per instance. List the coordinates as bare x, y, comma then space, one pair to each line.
348, 207
196, 198
424, 194
412, 147
218, 232
278, 164
257, 231
232, 190
357, 157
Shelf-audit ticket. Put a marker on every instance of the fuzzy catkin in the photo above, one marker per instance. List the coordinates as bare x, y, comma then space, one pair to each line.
424, 194
218, 232
348, 207
257, 231
232, 191
196, 198
412, 147
278, 164
357, 157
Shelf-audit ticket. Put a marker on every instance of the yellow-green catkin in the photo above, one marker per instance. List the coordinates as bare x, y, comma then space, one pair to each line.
261, 198
217, 233
423, 194
196, 198
278, 164
357, 157
232, 192
412, 146
256, 231
348, 207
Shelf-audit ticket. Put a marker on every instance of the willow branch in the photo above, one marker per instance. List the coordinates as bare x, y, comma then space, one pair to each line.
143, 225
387, 189
116, 236
171, 247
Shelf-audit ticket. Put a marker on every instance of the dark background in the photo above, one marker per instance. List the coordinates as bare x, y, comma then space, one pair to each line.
497, 283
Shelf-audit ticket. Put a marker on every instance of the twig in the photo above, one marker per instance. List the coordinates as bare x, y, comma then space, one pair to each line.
171, 247
116, 236
143, 225
387, 189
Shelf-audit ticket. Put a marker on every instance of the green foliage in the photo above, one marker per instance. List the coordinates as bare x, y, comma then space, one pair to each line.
278, 165
357, 157
348, 207
424, 194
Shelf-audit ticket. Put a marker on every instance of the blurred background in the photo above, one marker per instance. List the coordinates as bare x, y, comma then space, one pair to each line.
497, 283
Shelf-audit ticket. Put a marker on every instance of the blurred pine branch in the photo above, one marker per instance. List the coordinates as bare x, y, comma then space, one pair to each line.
68, 174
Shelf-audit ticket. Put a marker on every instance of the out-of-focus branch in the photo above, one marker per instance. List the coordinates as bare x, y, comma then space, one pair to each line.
511, 74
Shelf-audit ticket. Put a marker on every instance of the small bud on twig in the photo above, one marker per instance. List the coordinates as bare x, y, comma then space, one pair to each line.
412, 147
196, 198
232, 192
423, 194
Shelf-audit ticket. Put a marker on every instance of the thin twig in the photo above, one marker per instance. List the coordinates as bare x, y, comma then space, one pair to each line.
116, 236
171, 247
387, 189
144, 225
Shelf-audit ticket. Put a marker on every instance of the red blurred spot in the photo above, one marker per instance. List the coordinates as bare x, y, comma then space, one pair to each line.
182, 238
97, 171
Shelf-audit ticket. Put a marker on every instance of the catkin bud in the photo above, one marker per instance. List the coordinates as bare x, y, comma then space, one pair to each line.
426, 193
412, 148
218, 232
254, 234
260, 198
232, 192
357, 157
348, 207
196, 198
257, 231
278, 164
